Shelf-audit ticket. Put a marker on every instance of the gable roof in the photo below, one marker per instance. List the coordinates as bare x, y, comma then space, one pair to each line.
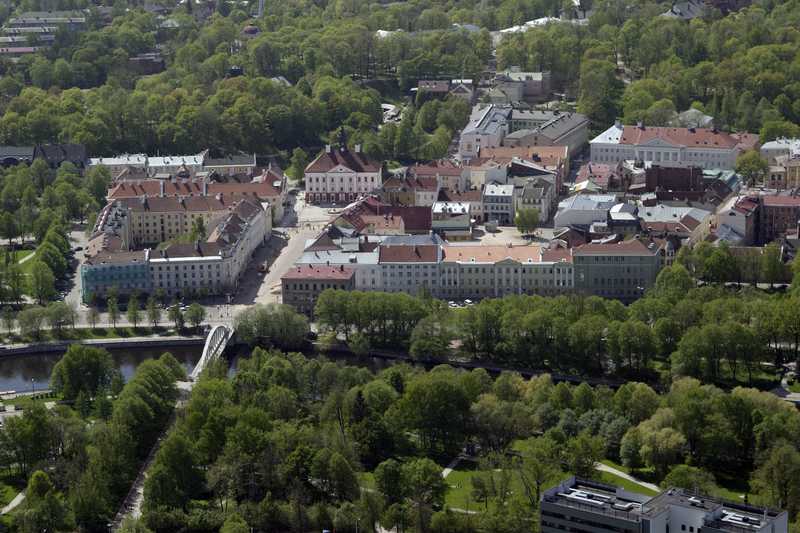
355, 161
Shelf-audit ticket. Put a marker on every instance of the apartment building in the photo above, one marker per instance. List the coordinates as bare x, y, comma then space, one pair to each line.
498, 203
621, 270
518, 85
452, 220
667, 146
126, 250
340, 175
270, 187
183, 166
537, 193
447, 174
34, 31
777, 214
561, 129
736, 220
411, 191
585, 506
302, 285
488, 125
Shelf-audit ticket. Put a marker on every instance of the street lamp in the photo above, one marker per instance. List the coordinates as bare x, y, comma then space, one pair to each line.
33, 385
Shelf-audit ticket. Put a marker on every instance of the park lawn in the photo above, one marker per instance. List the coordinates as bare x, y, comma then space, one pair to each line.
613, 479
459, 494
19, 255
94, 333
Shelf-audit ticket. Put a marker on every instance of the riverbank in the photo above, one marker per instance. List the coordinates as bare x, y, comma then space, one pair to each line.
119, 342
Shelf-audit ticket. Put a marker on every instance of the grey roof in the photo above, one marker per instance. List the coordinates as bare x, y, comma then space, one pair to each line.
588, 202
487, 117
336, 257
495, 189
562, 124
18, 152
411, 240
235, 160
536, 189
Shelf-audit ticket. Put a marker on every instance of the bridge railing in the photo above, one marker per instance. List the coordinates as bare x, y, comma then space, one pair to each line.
216, 341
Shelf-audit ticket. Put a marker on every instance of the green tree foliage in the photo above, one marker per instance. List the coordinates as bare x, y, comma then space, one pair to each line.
273, 324
526, 220
83, 369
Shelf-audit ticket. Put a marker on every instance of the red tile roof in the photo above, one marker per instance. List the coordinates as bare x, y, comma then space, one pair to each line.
355, 161
435, 168
318, 272
781, 201
696, 137
599, 173
472, 195
408, 254
152, 189
544, 155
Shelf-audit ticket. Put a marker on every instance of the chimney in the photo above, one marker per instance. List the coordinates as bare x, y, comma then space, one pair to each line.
205, 188
358, 148
197, 246
640, 124
161, 189
328, 148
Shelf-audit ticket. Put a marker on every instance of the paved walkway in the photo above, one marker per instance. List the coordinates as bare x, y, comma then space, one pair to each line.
26, 258
610, 469
18, 499
449, 468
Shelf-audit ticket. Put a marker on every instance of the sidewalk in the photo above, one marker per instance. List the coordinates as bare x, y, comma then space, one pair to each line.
10, 349
605, 468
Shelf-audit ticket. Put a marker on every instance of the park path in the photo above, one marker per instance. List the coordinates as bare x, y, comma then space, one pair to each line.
26, 258
610, 469
18, 499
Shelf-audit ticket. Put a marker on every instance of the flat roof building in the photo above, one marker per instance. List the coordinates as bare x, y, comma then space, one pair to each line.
589, 506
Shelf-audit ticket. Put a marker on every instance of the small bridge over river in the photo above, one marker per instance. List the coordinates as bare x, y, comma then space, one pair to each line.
216, 342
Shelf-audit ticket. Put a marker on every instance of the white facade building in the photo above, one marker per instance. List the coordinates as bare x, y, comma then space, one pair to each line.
488, 125
674, 147
584, 209
342, 176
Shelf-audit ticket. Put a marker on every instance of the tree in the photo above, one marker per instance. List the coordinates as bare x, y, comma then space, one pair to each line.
153, 311
537, 466
772, 267
389, 481
235, 524
752, 167
175, 315
113, 311
429, 488
82, 369
30, 321
777, 480
58, 315
15, 281
431, 338
134, 314
582, 453
527, 220
9, 319
93, 316
195, 314
198, 231
43, 509
692, 478
42, 282
298, 165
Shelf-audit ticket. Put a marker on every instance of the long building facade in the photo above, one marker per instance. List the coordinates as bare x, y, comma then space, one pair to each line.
130, 250
668, 146
410, 263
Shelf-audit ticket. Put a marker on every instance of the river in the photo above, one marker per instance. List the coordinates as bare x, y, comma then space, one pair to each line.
18, 371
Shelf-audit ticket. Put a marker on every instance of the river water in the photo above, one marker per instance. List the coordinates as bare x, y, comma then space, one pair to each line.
18, 371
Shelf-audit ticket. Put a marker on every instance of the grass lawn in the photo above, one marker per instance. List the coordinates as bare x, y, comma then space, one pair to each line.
794, 386
19, 255
613, 479
459, 495
93, 333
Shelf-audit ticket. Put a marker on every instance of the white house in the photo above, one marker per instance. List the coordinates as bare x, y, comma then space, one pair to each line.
342, 175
